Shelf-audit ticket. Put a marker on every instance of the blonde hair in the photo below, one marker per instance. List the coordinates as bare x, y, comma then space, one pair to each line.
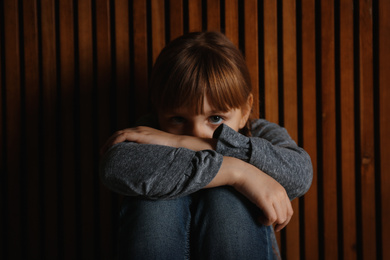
197, 65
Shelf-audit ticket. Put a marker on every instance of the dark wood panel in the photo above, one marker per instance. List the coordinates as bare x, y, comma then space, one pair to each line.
13, 130
271, 84
195, 15
213, 15
347, 131
33, 145
231, 20
251, 49
176, 18
66, 129
122, 62
104, 117
89, 228
328, 124
50, 122
367, 151
290, 112
3, 150
384, 97
140, 56
309, 125
158, 27
71, 75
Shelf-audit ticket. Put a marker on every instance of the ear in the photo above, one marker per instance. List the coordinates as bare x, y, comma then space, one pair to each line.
246, 111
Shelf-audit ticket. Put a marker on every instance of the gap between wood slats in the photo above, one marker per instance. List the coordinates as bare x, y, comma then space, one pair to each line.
3, 139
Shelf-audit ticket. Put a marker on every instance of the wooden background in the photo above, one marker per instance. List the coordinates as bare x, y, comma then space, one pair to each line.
72, 72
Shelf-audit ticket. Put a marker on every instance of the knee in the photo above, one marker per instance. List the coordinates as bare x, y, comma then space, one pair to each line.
153, 229
226, 225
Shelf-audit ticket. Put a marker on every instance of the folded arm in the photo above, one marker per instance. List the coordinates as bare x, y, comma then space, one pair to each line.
272, 150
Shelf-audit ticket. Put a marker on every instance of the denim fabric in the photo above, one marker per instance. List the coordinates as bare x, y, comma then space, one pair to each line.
216, 223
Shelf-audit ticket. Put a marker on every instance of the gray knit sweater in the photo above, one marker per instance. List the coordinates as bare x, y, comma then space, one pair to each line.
162, 172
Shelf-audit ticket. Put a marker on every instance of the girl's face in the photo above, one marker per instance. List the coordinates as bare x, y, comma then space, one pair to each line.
182, 122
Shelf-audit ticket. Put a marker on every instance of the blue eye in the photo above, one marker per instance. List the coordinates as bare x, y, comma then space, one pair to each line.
215, 119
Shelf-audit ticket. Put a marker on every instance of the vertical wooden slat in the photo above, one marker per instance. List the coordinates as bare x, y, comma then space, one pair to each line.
176, 18
251, 50
195, 15
3, 232
104, 77
271, 61
231, 20
31, 59
140, 56
309, 130
13, 126
85, 64
347, 106
329, 169
367, 152
59, 120
49, 85
158, 28
384, 122
213, 15
67, 82
291, 111
122, 40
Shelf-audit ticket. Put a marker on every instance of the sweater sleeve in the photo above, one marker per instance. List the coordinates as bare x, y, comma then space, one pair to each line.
157, 172
272, 150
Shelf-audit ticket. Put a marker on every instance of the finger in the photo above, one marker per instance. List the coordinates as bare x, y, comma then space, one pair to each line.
289, 214
268, 217
281, 212
117, 137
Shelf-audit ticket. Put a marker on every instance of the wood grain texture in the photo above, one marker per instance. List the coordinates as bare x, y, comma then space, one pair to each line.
195, 15
367, 151
158, 27
290, 102
104, 96
231, 20
88, 147
213, 15
122, 62
13, 128
176, 18
347, 135
50, 110
271, 84
66, 128
140, 56
309, 125
251, 50
328, 123
32, 94
73, 72
384, 97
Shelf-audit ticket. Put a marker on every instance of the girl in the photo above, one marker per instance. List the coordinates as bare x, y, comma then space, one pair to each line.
202, 180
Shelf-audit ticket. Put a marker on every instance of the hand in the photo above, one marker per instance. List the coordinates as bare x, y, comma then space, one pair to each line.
269, 196
258, 187
141, 135
148, 135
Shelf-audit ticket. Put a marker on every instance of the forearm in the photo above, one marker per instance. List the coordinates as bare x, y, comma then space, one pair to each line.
272, 151
156, 171
229, 173
262, 190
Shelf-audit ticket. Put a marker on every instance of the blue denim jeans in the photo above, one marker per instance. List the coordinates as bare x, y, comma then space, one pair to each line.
216, 223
